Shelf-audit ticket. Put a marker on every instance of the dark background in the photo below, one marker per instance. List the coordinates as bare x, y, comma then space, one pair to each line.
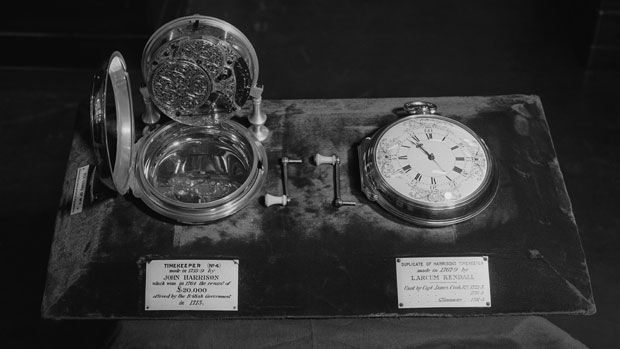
567, 52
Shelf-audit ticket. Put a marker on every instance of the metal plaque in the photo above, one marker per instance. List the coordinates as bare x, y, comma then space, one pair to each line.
443, 282
195, 284
79, 189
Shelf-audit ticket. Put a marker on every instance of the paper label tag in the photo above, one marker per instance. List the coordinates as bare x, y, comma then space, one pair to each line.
79, 190
196, 284
443, 282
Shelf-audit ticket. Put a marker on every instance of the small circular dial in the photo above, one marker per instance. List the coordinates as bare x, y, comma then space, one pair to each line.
432, 160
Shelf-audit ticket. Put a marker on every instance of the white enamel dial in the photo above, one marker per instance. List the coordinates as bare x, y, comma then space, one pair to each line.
432, 160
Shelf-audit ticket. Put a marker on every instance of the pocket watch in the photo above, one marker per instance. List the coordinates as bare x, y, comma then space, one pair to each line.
201, 166
428, 169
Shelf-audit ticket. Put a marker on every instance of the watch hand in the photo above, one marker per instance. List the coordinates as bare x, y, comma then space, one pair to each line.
431, 156
441, 168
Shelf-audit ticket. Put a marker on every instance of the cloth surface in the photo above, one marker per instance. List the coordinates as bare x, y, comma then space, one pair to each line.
499, 332
309, 259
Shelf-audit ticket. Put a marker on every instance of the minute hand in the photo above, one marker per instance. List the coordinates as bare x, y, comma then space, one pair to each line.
431, 156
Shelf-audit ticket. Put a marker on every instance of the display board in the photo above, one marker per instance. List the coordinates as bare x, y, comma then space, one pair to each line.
310, 259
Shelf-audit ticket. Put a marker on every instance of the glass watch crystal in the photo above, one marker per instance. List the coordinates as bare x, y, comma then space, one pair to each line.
428, 169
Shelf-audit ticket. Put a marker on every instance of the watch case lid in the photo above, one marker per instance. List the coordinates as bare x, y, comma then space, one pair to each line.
112, 123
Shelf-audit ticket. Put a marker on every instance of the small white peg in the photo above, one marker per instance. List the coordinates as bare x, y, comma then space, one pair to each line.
322, 159
271, 200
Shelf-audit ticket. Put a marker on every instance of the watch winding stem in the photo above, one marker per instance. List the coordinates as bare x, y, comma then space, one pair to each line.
420, 107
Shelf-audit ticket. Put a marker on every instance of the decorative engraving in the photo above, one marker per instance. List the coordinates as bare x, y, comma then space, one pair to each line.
431, 160
180, 87
193, 77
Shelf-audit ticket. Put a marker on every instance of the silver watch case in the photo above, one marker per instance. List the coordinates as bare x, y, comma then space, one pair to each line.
192, 172
376, 188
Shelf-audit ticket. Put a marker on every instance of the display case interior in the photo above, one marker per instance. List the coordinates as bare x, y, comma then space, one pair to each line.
311, 259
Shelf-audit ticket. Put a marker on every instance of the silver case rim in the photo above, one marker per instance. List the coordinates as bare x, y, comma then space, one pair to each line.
376, 189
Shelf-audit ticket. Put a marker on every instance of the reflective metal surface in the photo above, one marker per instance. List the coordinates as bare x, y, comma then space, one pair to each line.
198, 174
376, 188
198, 68
111, 119
198, 165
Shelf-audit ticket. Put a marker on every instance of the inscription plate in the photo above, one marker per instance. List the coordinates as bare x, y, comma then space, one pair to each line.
443, 282
79, 189
197, 284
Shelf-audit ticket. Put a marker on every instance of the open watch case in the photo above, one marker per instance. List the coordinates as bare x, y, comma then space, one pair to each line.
202, 166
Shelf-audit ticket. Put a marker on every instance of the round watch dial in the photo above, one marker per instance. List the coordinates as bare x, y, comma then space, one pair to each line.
433, 161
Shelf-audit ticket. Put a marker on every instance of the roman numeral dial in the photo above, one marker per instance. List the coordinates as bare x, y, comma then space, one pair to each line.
431, 160
428, 169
